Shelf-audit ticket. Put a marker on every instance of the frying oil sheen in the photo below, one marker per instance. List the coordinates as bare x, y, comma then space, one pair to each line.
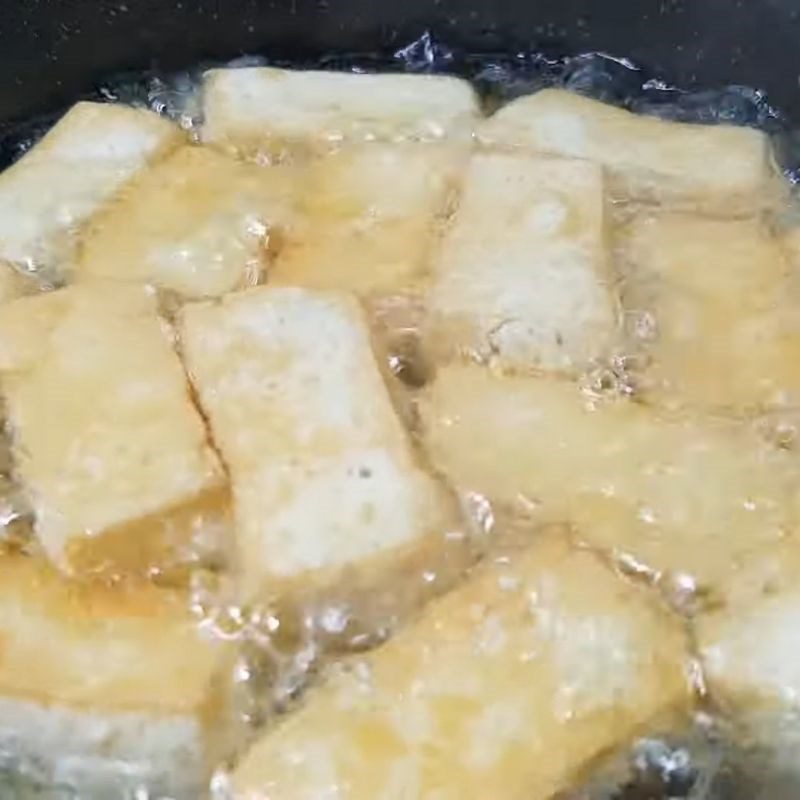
695, 764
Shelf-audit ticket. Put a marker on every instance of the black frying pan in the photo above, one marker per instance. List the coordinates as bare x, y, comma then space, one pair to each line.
53, 50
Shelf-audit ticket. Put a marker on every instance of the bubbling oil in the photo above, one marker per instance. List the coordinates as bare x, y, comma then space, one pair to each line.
710, 761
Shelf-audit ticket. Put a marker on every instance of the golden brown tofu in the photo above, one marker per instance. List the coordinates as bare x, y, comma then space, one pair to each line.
520, 279
718, 169
198, 224
747, 641
111, 452
688, 497
369, 216
80, 164
508, 687
104, 690
264, 111
325, 485
748, 651
710, 306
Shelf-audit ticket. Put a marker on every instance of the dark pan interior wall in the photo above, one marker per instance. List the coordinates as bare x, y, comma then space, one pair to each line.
52, 50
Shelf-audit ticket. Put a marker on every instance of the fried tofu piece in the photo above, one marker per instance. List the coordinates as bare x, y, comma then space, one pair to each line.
369, 215
324, 481
198, 224
111, 452
521, 275
715, 169
747, 642
686, 497
263, 110
107, 690
709, 304
510, 686
80, 164
748, 651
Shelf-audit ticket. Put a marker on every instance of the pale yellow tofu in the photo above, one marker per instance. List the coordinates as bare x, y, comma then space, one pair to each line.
265, 111
716, 169
748, 642
689, 498
80, 164
748, 652
107, 444
520, 278
104, 689
711, 307
369, 216
508, 687
199, 224
324, 482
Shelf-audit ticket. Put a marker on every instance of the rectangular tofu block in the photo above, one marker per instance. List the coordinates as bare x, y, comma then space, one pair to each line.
106, 690
324, 481
690, 497
508, 687
521, 275
80, 164
111, 452
369, 215
718, 169
199, 224
748, 650
748, 641
710, 307
266, 111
